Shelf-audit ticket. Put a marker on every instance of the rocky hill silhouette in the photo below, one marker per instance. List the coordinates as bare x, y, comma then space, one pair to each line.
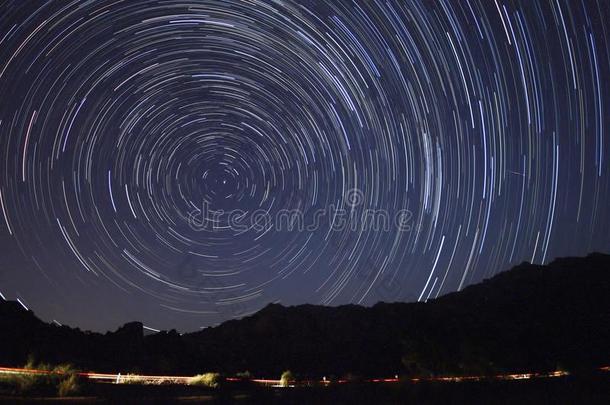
534, 318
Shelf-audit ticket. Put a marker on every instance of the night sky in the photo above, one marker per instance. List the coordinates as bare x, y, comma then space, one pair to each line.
126, 125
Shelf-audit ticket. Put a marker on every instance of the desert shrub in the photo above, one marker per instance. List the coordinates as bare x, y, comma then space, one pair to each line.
20, 383
63, 379
287, 378
130, 379
134, 379
68, 386
211, 380
28, 383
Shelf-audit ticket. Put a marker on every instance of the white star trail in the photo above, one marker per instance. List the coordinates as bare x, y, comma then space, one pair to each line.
121, 120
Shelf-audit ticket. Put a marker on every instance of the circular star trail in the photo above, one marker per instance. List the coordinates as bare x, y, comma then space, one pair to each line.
134, 135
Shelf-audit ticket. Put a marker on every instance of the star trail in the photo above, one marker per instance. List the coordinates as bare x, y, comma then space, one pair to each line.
482, 123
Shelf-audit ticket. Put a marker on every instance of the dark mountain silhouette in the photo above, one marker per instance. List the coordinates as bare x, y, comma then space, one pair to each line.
534, 318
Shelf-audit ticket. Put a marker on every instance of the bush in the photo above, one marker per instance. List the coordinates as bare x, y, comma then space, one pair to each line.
130, 379
22, 383
63, 380
68, 386
66, 379
211, 380
287, 378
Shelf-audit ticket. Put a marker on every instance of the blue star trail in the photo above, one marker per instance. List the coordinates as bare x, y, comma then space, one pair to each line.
483, 122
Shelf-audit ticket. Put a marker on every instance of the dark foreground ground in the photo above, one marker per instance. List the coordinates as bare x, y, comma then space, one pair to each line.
567, 390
